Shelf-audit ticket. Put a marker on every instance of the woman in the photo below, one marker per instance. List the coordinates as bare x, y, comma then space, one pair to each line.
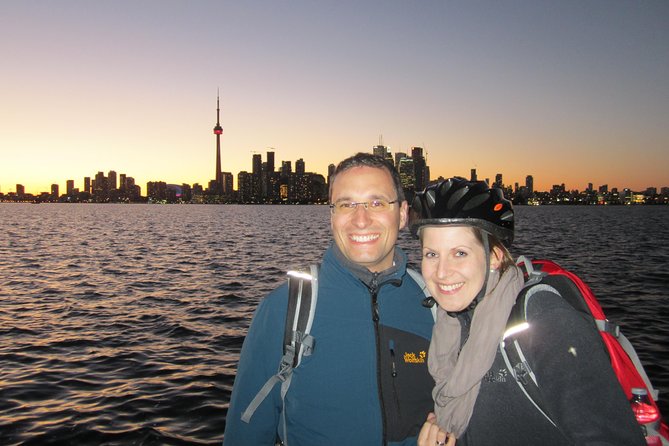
465, 230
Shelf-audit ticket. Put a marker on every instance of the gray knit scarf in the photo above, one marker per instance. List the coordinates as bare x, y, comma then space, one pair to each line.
458, 377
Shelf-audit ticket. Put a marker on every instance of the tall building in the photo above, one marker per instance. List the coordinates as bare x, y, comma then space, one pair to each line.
270, 185
54, 191
111, 180
419, 168
331, 171
380, 150
407, 174
218, 130
473, 177
270, 162
245, 186
256, 164
227, 179
255, 190
286, 168
529, 183
398, 158
87, 185
69, 187
299, 167
498, 181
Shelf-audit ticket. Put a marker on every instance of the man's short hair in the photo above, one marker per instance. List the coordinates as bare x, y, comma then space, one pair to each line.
362, 159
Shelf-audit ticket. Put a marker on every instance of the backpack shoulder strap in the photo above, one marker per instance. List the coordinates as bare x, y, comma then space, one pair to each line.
302, 299
429, 300
297, 340
512, 353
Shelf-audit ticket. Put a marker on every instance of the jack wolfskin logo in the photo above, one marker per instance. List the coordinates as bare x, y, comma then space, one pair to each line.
496, 377
412, 358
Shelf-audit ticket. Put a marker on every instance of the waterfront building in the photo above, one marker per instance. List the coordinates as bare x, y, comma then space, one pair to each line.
380, 150
111, 180
529, 184
419, 165
407, 174
69, 187
498, 181
398, 158
286, 168
299, 167
245, 189
227, 179
156, 191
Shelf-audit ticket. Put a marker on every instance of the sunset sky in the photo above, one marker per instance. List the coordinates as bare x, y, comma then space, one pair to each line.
569, 91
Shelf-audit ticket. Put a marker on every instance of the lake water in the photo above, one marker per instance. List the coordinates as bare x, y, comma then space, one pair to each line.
122, 324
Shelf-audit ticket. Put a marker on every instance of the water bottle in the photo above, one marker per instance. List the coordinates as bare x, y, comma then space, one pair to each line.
646, 414
643, 409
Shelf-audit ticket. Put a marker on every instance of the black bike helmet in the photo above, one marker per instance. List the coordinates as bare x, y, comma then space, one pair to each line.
457, 201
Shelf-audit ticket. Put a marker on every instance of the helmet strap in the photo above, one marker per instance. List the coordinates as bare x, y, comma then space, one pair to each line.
486, 251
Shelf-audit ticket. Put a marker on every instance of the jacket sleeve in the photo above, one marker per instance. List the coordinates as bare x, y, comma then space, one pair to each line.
259, 360
579, 386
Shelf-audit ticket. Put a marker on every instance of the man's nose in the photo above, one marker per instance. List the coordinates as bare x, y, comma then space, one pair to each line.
361, 215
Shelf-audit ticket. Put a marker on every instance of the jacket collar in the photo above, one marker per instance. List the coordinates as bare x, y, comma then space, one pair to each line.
394, 274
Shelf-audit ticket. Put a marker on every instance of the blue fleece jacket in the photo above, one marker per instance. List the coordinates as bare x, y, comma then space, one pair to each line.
366, 382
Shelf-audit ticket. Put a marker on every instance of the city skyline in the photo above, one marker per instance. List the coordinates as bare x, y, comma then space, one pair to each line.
571, 93
217, 184
491, 180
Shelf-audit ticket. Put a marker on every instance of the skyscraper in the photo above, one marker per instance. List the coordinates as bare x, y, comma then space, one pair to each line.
529, 183
300, 167
498, 181
217, 131
419, 168
111, 180
380, 150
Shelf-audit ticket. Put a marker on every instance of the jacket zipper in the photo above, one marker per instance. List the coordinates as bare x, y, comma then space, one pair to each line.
374, 290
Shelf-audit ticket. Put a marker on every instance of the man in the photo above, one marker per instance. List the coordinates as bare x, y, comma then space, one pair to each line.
366, 382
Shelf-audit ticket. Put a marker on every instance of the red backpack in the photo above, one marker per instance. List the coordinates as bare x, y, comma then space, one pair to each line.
624, 360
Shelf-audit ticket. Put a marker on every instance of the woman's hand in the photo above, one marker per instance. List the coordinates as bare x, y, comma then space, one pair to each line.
431, 435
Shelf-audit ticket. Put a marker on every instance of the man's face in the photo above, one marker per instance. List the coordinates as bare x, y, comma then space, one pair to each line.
364, 236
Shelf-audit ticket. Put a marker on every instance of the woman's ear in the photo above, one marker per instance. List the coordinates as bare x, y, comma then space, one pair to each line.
496, 258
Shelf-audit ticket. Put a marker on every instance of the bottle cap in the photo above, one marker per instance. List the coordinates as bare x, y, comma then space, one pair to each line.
639, 391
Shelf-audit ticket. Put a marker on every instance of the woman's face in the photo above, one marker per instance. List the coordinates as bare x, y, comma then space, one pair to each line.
454, 265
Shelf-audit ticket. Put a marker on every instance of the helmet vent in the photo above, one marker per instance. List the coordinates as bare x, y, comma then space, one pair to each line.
475, 201
456, 197
507, 216
445, 187
430, 198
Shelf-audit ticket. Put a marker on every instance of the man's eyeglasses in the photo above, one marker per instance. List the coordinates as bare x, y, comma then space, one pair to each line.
348, 207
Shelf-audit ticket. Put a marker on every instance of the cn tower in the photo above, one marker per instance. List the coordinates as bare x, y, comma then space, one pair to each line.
217, 131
